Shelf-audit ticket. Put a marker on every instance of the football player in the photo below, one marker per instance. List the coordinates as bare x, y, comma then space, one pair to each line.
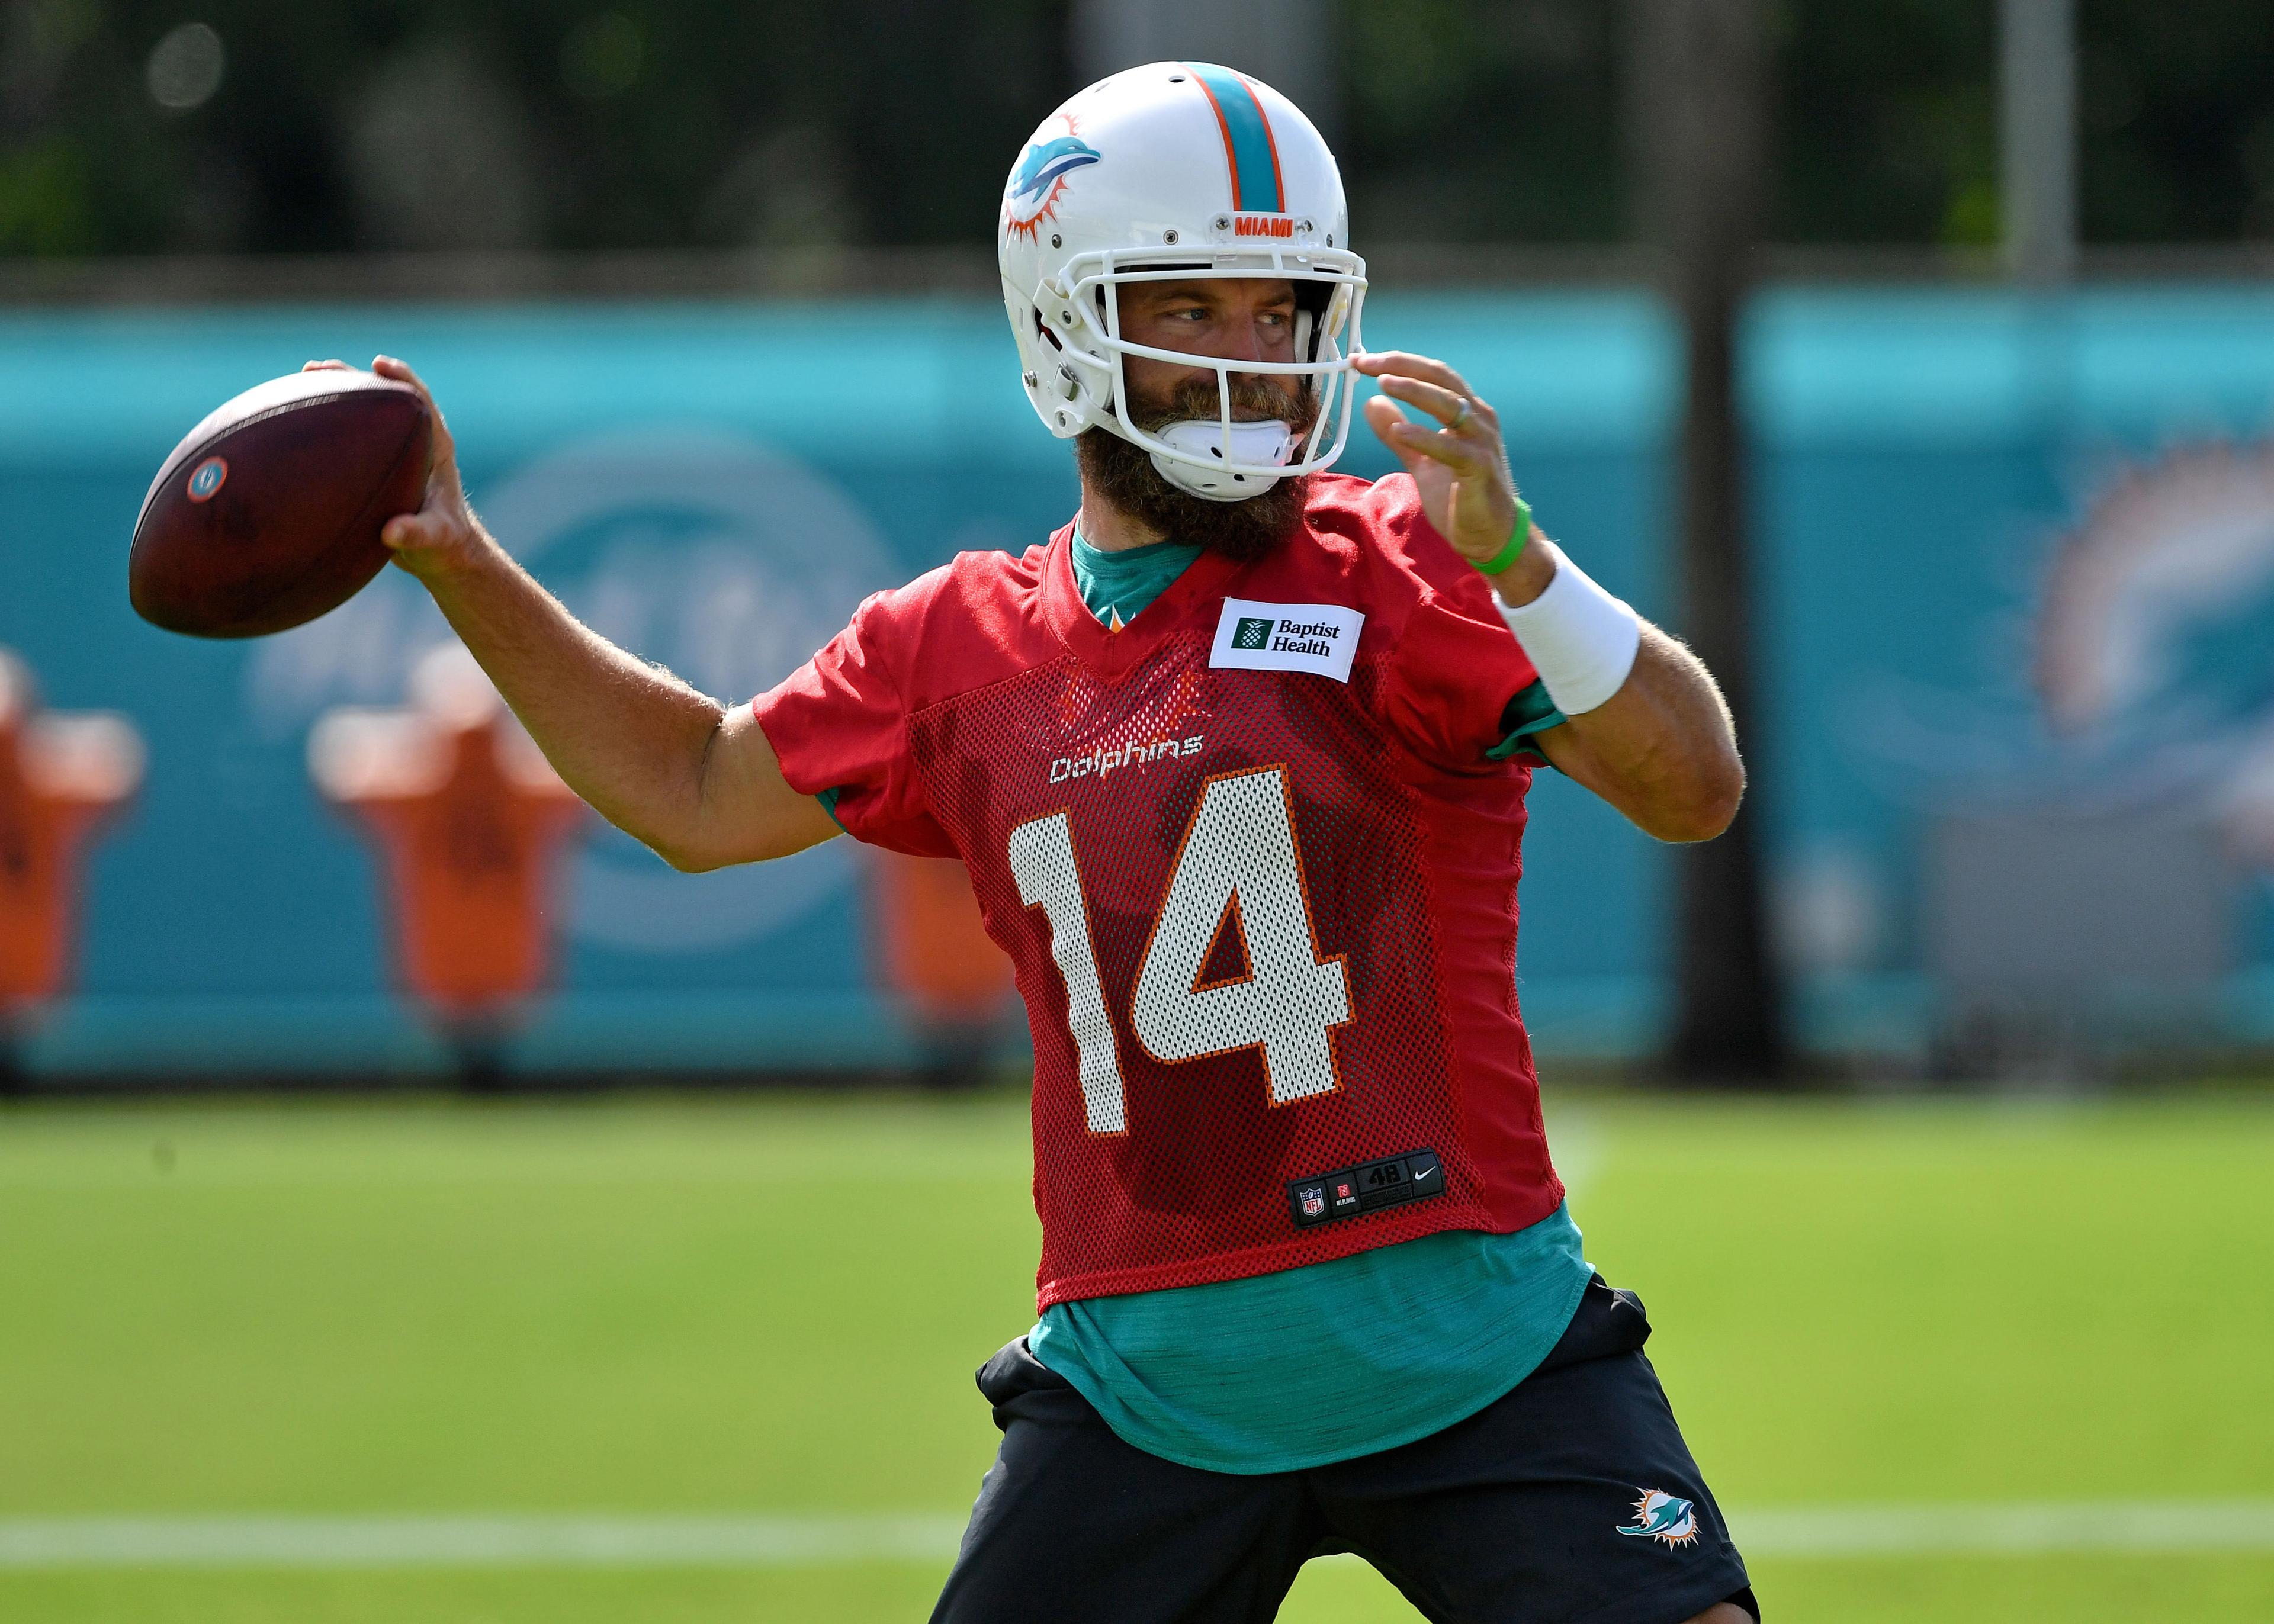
1237, 762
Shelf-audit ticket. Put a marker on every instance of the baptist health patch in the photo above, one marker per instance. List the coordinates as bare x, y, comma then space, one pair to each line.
1320, 638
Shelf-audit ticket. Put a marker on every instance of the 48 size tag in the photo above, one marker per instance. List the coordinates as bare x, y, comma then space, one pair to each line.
1368, 1187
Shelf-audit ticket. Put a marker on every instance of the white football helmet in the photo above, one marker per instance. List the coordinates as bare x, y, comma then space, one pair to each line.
1165, 173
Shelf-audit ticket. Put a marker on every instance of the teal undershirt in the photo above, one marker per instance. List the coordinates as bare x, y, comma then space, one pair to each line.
1285, 1370
1282, 1371
1124, 582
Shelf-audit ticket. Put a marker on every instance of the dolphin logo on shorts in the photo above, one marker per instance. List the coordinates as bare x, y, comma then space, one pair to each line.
1664, 1517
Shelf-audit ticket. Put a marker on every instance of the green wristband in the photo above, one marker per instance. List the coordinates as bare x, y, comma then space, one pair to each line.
1506, 556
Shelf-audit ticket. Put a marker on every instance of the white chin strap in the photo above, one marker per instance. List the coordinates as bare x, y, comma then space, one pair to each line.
1201, 439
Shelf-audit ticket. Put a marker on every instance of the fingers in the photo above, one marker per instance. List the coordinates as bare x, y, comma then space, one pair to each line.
409, 532
1446, 405
1388, 363
440, 514
387, 366
445, 448
1471, 437
1458, 452
1440, 446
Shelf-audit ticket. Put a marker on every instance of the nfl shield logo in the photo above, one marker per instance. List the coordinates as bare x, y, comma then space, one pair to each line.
1314, 1201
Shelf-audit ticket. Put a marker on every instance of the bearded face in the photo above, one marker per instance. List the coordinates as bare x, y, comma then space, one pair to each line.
1123, 475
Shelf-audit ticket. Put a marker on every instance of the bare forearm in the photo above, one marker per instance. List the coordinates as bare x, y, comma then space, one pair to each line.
1661, 749
628, 738
698, 783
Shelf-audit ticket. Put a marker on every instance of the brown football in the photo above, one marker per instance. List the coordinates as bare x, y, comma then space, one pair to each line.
268, 512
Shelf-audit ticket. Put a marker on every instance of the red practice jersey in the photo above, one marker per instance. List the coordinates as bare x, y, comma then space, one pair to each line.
1255, 869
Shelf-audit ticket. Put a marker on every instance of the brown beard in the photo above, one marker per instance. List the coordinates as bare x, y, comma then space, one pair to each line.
1123, 477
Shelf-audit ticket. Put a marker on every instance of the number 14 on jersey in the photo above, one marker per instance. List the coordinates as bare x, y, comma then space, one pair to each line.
1237, 868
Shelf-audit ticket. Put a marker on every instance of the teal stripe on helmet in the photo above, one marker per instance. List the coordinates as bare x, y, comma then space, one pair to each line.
1247, 139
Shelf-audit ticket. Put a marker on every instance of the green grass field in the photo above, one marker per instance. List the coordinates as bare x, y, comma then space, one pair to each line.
752, 1306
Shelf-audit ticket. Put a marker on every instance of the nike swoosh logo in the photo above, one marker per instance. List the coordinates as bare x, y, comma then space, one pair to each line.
1423, 1173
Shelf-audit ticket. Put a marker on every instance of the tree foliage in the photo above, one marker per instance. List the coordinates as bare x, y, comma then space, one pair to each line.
668, 124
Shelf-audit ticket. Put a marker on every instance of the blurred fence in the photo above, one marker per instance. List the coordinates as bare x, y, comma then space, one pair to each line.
2016, 604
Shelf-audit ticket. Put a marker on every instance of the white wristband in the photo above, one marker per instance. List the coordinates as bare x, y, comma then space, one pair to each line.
1580, 639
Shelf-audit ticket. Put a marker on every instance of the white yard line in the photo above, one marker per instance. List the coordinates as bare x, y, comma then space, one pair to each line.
783, 1541
2025, 1530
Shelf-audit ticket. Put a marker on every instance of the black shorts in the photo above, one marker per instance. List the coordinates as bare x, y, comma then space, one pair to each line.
1572, 1498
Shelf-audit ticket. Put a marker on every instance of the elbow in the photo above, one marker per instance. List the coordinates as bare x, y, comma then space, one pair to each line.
683, 849
686, 859
707, 851
1707, 805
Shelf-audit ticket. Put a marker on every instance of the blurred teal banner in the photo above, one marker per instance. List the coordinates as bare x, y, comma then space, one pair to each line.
2015, 584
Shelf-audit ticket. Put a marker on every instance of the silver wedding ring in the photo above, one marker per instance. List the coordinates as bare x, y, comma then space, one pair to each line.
1459, 418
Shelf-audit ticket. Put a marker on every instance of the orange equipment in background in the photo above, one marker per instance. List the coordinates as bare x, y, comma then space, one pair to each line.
934, 953
471, 823
59, 775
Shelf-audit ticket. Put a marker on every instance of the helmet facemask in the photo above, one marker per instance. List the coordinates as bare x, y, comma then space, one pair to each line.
1219, 456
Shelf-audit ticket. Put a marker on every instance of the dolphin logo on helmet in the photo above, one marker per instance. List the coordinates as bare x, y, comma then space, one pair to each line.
1030, 196
1046, 160
1212, 174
